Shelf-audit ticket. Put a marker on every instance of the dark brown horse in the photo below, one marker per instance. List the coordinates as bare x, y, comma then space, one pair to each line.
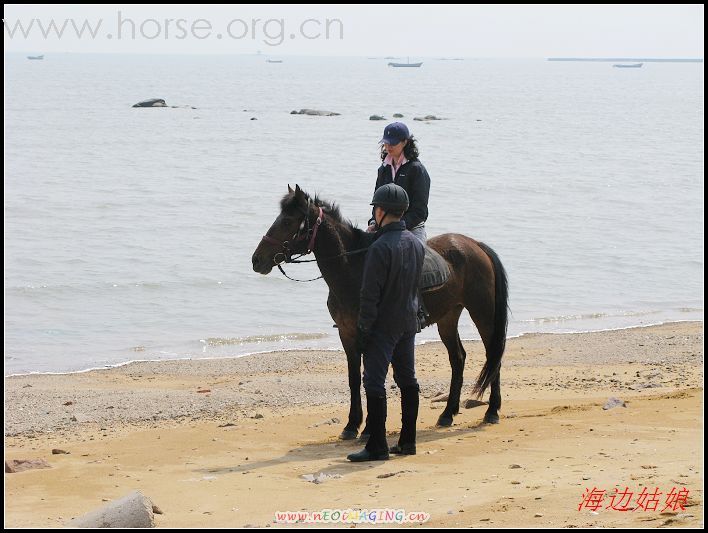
477, 283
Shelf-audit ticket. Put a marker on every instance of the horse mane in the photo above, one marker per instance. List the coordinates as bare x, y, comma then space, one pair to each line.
359, 238
331, 210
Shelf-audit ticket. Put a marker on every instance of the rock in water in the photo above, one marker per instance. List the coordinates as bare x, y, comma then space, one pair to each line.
154, 102
315, 112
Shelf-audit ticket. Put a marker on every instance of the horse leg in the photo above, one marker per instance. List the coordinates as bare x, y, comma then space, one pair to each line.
347, 334
492, 414
486, 330
355, 412
447, 328
489, 311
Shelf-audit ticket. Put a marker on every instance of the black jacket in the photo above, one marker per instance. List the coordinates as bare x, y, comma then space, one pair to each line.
413, 177
389, 288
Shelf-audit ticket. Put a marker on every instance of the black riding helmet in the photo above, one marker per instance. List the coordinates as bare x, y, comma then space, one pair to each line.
391, 197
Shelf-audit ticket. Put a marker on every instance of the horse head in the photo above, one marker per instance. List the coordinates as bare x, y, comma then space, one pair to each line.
291, 233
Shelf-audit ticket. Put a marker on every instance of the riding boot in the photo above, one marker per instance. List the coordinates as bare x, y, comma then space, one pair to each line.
409, 415
376, 448
366, 432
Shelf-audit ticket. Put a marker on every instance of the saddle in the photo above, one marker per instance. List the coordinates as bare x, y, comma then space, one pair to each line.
435, 270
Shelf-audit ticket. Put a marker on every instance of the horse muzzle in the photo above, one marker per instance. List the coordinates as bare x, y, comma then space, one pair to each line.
261, 266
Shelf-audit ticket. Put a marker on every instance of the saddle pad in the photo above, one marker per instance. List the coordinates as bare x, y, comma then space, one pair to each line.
435, 270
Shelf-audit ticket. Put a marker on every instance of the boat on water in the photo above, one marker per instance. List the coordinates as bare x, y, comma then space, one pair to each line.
628, 65
408, 64
35, 57
274, 60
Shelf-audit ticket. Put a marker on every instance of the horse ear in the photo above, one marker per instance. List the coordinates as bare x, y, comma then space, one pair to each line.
300, 194
290, 189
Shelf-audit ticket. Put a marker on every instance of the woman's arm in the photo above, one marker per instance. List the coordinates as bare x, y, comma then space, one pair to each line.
418, 193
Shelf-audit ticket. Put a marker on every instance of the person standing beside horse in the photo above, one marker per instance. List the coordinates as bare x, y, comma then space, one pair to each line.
400, 165
387, 322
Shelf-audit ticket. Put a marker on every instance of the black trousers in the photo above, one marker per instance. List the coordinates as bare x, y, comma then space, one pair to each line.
384, 349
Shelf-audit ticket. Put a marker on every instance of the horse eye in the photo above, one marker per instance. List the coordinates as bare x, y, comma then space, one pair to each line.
287, 221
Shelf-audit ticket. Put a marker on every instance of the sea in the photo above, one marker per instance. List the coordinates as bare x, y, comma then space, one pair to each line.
128, 232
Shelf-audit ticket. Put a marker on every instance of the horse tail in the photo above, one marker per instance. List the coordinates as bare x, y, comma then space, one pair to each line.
496, 347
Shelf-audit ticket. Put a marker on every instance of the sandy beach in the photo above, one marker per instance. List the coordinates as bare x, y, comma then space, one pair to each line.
230, 442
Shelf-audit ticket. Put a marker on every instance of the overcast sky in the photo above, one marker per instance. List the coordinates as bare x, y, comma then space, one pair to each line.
374, 30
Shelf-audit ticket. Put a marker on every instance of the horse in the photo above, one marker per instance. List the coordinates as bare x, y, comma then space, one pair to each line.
477, 282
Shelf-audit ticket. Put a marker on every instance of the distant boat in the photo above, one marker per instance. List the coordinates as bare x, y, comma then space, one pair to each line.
35, 57
628, 65
409, 64
274, 60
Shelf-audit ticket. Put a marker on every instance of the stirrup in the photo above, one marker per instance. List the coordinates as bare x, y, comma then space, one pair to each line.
423, 320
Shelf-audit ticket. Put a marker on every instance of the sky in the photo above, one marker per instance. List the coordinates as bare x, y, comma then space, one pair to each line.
432, 30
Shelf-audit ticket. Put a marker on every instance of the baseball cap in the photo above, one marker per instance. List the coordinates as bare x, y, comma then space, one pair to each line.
395, 133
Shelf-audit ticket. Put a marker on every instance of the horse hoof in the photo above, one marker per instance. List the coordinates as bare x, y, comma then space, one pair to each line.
444, 421
491, 419
348, 435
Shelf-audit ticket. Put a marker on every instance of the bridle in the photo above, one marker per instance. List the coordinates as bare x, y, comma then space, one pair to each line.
310, 232
305, 231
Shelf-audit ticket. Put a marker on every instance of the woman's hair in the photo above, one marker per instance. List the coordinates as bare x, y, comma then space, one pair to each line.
410, 150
